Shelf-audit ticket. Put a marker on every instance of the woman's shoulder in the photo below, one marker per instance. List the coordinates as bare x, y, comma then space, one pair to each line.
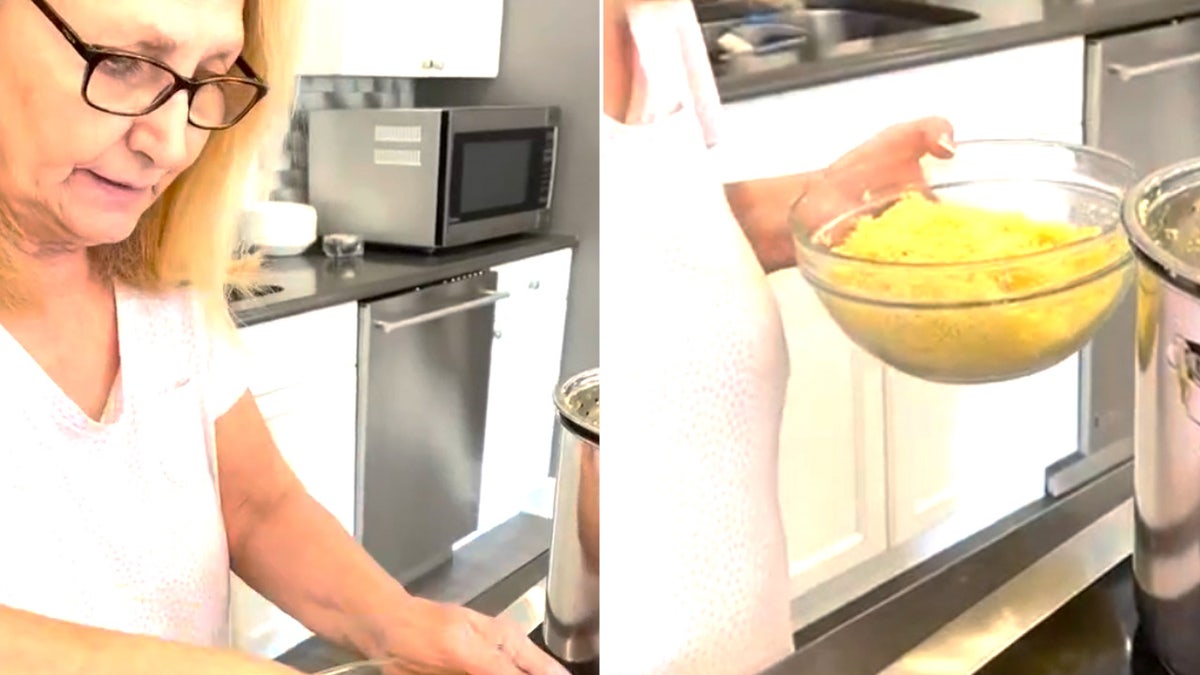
179, 316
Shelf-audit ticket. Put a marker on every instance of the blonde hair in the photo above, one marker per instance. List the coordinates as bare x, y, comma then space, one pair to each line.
189, 235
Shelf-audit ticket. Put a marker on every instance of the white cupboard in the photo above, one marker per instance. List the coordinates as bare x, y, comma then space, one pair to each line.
870, 457
402, 38
527, 348
304, 378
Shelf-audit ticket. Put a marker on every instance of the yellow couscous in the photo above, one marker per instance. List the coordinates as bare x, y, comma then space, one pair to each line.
972, 302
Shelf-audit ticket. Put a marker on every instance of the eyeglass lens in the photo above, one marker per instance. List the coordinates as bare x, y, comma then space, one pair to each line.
126, 85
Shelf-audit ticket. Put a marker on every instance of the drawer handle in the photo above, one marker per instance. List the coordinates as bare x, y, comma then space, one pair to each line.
1127, 73
535, 284
491, 298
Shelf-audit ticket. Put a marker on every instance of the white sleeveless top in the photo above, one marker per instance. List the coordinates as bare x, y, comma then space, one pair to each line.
118, 524
696, 371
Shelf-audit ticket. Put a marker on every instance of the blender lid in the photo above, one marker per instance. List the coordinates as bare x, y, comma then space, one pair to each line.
578, 403
1161, 216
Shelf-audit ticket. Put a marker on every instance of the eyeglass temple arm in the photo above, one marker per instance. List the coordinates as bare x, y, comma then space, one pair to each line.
76, 42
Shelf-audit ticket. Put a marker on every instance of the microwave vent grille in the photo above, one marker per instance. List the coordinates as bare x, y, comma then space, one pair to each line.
385, 133
397, 157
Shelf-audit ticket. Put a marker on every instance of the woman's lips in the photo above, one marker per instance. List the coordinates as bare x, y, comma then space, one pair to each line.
108, 193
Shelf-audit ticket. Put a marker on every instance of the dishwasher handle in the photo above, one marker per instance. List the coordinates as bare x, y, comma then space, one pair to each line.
1126, 73
489, 298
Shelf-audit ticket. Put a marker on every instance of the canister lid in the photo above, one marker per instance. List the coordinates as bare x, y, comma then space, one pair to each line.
578, 403
1161, 215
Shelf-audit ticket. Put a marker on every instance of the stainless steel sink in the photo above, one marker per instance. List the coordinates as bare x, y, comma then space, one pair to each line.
810, 30
830, 23
233, 294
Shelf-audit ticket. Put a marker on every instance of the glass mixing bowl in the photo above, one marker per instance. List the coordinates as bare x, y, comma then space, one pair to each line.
973, 322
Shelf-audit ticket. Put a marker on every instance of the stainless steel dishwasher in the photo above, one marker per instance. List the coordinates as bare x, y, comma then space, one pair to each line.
1142, 104
424, 359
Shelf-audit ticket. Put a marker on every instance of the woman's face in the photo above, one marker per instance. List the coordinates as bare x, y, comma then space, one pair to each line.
95, 172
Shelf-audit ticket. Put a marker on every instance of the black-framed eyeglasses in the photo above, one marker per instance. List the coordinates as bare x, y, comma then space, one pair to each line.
129, 84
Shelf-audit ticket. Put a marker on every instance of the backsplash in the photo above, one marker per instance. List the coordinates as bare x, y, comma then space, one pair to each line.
324, 93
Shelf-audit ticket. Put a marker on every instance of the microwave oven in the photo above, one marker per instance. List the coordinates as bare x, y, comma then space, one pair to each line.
432, 178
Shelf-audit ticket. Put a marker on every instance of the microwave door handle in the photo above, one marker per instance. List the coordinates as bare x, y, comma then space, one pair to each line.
490, 298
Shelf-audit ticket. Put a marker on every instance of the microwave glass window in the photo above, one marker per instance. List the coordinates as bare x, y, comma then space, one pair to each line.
495, 174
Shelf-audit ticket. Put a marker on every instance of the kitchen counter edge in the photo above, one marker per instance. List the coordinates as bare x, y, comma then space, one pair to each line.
953, 43
409, 271
869, 634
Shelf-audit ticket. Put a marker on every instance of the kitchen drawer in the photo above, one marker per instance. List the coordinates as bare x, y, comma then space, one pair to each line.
284, 352
546, 274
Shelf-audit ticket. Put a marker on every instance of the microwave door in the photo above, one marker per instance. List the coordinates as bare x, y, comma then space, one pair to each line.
500, 183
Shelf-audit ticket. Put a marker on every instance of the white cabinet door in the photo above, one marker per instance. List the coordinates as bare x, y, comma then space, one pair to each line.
1031, 91
280, 352
526, 359
402, 38
314, 425
466, 38
934, 435
831, 470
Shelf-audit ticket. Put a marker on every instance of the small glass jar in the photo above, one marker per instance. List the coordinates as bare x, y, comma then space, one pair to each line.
342, 245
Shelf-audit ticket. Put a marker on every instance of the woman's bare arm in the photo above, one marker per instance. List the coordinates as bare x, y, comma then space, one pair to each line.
34, 644
890, 159
288, 547
761, 207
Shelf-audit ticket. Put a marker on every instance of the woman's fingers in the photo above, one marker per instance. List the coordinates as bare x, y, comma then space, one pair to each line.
490, 658
500, 648
938, 135
531, 660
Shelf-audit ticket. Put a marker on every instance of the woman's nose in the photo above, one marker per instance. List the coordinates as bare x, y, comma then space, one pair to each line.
162, 134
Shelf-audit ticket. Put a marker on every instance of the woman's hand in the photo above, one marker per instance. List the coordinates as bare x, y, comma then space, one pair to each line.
887, 164
893, 156
429, 638
890, 158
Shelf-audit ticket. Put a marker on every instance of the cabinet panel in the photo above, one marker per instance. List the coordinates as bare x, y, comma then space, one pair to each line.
448, 38
807, 129
831, 444
280, 352
526, 361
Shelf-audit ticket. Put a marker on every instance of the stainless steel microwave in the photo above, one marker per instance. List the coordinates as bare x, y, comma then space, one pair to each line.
432, 178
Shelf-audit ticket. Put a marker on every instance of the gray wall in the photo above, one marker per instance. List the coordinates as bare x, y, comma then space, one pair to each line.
324, 93
550, 55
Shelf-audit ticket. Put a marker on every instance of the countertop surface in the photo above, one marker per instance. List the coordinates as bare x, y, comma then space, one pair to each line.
1001, 24
904, 616
313, 281
1096, 633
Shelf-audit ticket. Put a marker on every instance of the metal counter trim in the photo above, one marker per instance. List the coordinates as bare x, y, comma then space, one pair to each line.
981, 633
872, 632
528, 611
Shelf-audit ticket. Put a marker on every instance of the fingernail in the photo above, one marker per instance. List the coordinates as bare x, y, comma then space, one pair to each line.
946, 143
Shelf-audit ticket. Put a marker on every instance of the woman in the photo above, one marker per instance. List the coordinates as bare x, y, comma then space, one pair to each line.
135, 469
700, 382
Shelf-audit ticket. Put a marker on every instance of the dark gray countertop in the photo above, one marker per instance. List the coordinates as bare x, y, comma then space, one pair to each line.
1002, 24
313, 281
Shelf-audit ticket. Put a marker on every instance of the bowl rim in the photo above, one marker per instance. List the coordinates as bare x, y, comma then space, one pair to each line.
806, 243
